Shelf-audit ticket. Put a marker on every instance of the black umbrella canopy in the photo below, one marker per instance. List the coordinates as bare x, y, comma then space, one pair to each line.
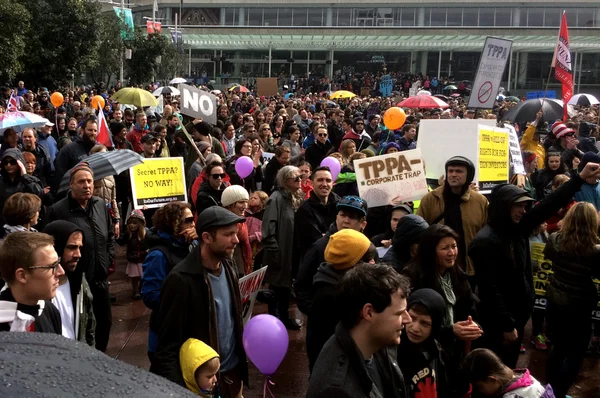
49, 365
526, 111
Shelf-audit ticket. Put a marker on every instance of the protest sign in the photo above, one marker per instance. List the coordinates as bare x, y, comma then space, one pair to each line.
266, 157
542, 276
249, 287
157, 182
385, 86
198, 104
492, 63
266, 86
440, 139
395, 177
516, 158
493, 158
540, 94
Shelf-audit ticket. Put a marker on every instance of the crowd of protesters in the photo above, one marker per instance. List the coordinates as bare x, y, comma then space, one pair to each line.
441, 314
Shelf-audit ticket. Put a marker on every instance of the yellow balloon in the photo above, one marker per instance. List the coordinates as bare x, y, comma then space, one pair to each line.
98, 102
394, 118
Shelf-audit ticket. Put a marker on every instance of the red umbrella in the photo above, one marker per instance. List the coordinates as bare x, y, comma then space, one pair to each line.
423, 101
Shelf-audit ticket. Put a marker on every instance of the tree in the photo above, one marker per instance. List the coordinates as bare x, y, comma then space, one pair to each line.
171, 64
14, 19
63, 41
110, 48
143, 65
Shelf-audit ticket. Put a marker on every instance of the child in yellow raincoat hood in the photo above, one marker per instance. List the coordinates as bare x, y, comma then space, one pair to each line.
199, 365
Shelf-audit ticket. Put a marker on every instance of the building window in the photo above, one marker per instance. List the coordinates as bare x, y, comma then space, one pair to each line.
408, 17
572, 16
486, 17
230, 16
315, 17
470, 17
285, 17
454, 17
503, 17
586, 19
255, 16
438, 17
535, 17
552, 17
343, 16
270, 17
299, 16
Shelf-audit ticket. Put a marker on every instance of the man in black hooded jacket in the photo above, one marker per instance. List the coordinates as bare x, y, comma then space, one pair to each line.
500, 254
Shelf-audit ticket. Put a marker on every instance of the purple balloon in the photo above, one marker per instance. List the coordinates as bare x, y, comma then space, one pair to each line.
334, 166
244, 166
266, 342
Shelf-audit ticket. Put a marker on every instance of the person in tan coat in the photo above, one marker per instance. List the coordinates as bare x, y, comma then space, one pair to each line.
458, 206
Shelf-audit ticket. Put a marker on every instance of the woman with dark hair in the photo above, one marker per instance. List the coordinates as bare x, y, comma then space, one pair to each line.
293, 142
243, 147
434, 267
277, 125
542, 179
571, 294
168, 242
237, 119
11, 140
212, 188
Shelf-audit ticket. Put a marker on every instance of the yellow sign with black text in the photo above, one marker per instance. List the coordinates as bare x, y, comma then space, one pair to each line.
493, 158
157, 182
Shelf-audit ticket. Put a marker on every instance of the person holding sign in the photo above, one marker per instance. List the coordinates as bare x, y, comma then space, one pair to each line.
501, 256
571, 294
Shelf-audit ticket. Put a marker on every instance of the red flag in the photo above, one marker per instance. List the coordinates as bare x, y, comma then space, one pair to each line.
562, 63
104, 136
13, 102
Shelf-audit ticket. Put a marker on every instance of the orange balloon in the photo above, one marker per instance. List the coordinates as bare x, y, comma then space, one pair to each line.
98, 102
394, 118
57, 99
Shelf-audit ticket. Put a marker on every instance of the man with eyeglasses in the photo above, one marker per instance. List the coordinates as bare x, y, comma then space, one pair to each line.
73, 296
31, 269
248, 131
318, 151
90, 214
351, 214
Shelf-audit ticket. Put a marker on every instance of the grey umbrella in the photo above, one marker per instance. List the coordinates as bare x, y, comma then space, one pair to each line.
49, 365
105, 164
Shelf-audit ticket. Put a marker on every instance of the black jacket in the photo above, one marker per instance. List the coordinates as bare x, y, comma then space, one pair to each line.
340, 371
46, 322
335, 133
501, 256
188, 309
25, 184
312, 220
323, 317
208, 196
270, 174
315, 153
314, 257
249, 182
571, 283
96, 223
68, 157
423, 368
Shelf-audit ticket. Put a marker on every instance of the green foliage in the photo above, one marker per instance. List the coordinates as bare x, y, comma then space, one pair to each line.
63, 40
143, 65
15, 22
110, 49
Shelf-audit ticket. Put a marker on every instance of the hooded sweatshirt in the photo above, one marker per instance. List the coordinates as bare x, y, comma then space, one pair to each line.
527, 387
193, 354
409, 231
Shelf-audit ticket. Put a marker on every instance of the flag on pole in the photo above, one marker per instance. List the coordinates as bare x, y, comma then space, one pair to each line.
561, 62
13, 102
104, 136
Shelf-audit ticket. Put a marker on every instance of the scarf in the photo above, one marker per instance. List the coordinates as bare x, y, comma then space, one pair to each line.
449, 297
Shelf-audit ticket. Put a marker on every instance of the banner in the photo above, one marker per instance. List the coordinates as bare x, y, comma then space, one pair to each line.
157, 182
492, 63
441, 139
540, 94
561, 62
153, 27
395, 177
249, 287
127, 19
385, 86
493, 158
542, 275
516, 158
198, 104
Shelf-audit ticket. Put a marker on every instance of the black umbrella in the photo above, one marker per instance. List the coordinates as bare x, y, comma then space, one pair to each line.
442, 97
526, 111
105, 164
49, 365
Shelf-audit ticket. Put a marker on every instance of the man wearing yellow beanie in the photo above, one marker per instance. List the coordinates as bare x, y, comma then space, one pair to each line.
345, 249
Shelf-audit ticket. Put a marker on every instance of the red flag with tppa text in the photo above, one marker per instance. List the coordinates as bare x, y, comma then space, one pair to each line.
562, 63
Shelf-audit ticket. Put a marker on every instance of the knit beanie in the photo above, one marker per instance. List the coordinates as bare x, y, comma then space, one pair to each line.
588, 157
204, 128
346, 248
232, 194
137, 214
79, 167
202, 146
433, 302
561, 130
116, 128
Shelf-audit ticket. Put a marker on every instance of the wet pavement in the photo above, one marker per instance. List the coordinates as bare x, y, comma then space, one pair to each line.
129, 335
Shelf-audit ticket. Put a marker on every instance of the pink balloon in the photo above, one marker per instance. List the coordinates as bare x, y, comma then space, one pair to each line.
334, 166
266, 342
244, 166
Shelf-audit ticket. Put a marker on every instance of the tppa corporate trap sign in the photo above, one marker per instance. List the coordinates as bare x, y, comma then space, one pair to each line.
391, 178
492, 63
157, 182
493, 159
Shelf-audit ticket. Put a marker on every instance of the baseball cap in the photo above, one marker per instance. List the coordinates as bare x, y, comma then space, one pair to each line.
149, 137
353, 203
216, 217
524, 198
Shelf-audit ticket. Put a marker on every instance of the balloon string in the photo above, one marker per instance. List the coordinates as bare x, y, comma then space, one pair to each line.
267, 388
